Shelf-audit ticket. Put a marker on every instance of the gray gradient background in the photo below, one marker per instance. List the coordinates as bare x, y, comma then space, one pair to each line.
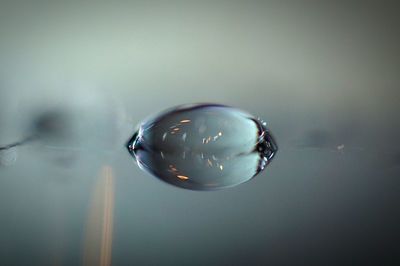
322, 73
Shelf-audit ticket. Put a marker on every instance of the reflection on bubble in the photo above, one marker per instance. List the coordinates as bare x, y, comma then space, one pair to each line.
203, 147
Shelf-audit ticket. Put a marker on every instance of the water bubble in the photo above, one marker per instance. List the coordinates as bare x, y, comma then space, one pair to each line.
203, 146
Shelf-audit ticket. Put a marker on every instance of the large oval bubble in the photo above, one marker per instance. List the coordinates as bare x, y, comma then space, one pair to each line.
203, 146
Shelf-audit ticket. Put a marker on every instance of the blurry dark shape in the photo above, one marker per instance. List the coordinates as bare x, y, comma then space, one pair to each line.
8, 153
48, 126
203, 146
52, 125
18, 143
8, 156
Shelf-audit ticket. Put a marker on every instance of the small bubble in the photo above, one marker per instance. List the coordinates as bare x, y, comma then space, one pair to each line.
203, 146
340, 147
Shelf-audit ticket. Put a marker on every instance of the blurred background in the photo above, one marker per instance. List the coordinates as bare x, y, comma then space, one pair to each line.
323, 74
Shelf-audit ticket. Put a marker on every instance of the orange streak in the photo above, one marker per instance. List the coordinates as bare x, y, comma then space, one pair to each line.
106, 241
182, 177
99, 228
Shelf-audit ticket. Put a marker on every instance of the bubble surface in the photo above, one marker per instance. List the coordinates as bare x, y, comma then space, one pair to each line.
203, 146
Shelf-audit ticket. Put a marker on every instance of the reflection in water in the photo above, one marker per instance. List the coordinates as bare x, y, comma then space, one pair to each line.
99, 228
203, 147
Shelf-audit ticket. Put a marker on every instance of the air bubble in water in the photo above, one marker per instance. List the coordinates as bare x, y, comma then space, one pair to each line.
203, 146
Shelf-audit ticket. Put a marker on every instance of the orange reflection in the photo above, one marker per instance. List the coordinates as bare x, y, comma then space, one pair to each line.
99, 227
182, 177
185, 121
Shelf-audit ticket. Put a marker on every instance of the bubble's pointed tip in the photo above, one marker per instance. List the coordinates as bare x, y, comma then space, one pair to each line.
131, 143
273, 146
267, 145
